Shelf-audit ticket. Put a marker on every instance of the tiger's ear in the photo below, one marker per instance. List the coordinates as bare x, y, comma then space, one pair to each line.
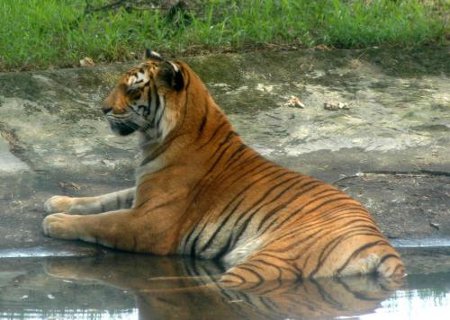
170, 74
150, 54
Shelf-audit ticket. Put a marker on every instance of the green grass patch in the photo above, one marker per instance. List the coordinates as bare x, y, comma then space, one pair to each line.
40, 34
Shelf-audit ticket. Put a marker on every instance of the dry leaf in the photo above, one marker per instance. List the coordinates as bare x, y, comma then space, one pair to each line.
87, 62
295, 102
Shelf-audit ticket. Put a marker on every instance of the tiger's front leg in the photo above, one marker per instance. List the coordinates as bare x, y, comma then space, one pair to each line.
134, 230
89, 205
115, 229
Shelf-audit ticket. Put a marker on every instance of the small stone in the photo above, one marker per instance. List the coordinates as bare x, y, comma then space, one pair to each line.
295, 102
235, 301
334, 106
109, 164
322, 47
87, 62
70, 186
435, 225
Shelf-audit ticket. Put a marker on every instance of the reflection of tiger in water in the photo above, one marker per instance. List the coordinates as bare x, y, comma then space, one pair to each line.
201, 191
176, 288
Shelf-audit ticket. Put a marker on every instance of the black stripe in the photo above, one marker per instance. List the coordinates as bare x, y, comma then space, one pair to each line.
207, 182
194, 245
207, 222
211, 138
267, 263
149, 99
232, 274
159, 106
360, 249
224, 249
316, 184
238, 232
277, 185
323, 228
219, 227
211, 168
241, 194
398, 266
264, 196
159, 151
238, 151
160, 205
349, 228
242, 229
239, 229
227, 139
204, 120
187, 238
240, 174
185, 109
296, 211
250, 270
281, 206
388, 256
202, 126
326, 296
359, 295
343, 235
335, 243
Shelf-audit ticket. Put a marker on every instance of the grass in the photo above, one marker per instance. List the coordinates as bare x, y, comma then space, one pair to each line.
58, 33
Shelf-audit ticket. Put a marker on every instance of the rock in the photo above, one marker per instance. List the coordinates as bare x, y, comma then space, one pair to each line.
334, 106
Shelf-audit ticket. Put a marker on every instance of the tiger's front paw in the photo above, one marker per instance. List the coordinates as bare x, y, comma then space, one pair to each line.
61, 225
58, 204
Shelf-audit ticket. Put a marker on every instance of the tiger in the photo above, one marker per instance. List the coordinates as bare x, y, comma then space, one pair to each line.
201, 191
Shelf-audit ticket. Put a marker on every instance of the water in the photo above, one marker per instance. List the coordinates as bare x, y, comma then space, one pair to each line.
128, 286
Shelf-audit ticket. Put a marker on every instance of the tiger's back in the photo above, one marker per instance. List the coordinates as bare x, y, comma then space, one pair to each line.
201, 191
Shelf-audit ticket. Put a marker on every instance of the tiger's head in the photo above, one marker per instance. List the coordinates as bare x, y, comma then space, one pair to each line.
139, 101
